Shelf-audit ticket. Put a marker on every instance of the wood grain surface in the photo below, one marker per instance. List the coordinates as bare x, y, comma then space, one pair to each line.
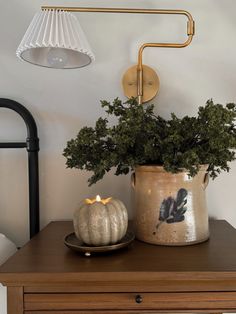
119, 312
46, 277
45, 264
116, 301
15, 300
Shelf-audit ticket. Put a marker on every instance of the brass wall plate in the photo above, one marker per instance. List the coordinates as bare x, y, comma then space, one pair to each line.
151, 83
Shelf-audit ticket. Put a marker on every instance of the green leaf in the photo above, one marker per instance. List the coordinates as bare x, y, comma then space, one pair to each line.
140, 137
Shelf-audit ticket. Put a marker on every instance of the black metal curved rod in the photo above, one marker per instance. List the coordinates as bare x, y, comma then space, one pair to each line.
32, 147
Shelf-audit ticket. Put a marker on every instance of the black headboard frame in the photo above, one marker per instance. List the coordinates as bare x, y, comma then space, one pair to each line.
32, 146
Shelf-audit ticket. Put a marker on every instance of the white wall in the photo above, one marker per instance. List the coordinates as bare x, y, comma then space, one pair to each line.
63, 101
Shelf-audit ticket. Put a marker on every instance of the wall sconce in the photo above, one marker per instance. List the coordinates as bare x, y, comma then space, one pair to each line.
55, 39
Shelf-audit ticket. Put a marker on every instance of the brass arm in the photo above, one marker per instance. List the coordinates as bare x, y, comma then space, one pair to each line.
190, 31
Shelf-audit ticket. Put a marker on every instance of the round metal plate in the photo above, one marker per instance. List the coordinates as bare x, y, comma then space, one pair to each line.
72, 242
151, 83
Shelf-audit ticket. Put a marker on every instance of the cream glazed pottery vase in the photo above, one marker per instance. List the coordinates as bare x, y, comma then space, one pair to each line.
170, 209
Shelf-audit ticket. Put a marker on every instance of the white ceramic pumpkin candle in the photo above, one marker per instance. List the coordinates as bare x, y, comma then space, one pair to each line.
99, 222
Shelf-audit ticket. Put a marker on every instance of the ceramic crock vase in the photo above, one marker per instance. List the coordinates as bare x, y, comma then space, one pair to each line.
170, 209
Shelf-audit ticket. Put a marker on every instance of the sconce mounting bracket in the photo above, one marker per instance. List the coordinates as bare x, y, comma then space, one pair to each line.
151, 83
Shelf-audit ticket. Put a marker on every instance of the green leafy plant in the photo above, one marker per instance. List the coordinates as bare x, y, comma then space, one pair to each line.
140, 138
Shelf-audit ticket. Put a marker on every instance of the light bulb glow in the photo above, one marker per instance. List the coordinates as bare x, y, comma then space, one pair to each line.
57, 58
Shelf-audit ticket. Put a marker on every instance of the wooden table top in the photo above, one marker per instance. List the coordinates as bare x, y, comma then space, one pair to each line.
46, 254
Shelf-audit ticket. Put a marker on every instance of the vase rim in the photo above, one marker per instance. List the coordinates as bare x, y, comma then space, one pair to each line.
159, 168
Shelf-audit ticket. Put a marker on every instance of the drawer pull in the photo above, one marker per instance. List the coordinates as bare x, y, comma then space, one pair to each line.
138, 299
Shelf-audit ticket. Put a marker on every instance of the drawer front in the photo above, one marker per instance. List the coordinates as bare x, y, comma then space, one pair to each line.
215, 301
107, 312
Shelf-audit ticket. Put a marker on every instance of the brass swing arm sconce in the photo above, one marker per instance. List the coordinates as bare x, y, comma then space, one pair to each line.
139, 81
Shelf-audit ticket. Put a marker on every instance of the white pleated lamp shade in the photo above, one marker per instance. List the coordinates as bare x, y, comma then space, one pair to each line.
55, 39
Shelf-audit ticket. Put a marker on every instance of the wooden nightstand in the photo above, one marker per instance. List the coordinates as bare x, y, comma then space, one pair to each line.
45, 277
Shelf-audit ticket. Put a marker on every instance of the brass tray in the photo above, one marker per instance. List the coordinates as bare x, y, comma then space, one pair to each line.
72, 242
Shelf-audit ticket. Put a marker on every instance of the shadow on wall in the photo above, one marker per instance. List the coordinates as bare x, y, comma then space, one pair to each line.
14, 30
56, 128
14, 206
70, 187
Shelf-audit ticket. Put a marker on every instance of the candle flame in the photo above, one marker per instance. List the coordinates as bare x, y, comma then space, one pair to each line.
98, 198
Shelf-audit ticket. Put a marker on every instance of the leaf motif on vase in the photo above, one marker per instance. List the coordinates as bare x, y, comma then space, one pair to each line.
173, 210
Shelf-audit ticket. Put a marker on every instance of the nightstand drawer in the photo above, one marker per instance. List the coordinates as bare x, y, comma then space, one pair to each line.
131, 301
107, 312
